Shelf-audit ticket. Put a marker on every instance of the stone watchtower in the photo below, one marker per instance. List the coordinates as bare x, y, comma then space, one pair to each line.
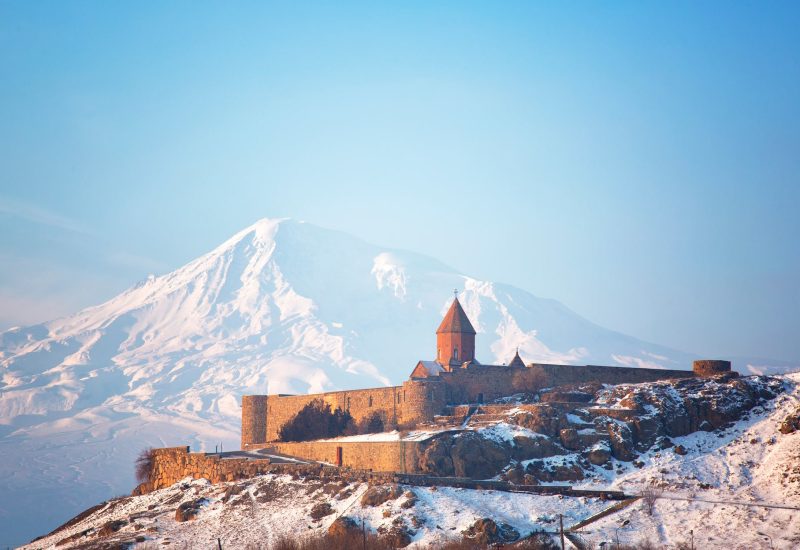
711, 367
455, 338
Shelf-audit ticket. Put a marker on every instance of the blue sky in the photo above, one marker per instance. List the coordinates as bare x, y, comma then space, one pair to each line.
640, 163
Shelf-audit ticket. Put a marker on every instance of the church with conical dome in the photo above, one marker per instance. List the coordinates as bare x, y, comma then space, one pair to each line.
455, 345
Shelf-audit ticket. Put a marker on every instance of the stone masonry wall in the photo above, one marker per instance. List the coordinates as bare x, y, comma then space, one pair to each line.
558, 375
171, 464
711, 367
422, 400
360, 403
379, 456
254, 419
480, 383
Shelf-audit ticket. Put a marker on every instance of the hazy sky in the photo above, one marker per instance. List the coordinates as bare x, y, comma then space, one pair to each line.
639, 162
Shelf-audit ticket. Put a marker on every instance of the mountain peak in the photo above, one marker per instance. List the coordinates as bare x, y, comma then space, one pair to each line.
262, 231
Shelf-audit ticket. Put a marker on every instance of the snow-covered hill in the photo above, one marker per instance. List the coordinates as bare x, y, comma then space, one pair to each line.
735, 487
282, 306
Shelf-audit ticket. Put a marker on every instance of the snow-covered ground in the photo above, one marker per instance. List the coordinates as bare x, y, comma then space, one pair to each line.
752, 462
271, 507
415, 435
282, 306
720, 493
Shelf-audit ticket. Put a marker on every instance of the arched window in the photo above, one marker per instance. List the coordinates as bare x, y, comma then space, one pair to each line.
455, 354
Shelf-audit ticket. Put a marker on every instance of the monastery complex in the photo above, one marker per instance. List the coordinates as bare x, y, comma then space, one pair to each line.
454, 378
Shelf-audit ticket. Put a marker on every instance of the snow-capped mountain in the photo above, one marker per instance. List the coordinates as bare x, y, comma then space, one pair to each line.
282, 306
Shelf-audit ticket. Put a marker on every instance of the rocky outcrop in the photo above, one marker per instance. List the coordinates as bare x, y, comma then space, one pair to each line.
465, 454
377, 495
621, 440
396, 536
672, 409
320, 510
566, 470
680, 407
343, 527
187, 511
620, 423
599, 454
111, 527
486, 532
577, 439
525, 447
544, 419
791, 423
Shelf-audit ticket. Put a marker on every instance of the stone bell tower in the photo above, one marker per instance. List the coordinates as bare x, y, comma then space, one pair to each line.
455, 338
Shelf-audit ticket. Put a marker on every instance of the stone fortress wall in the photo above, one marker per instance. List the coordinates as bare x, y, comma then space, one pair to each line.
420, 399
264, 415
171, 464
378, 456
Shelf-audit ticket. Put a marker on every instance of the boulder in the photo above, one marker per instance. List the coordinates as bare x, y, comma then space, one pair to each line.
577, 440
791, 423
343, 527
599, 454
562, 471
111, 527
486, 531
377, 495
465, 454
397, 536
664, 443
680, 450
320, 510
621, 440
516, 475
189, 510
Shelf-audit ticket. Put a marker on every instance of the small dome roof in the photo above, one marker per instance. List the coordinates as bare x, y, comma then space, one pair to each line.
517, 360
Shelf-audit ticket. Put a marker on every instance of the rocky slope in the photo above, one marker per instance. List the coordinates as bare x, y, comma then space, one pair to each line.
737, 475
566, 435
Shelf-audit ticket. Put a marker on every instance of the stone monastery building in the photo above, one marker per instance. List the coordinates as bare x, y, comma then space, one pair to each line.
454, 377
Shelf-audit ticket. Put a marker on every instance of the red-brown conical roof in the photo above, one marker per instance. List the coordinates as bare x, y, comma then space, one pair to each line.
455, 320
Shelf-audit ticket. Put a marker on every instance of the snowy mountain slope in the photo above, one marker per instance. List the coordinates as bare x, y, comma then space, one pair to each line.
282, 306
